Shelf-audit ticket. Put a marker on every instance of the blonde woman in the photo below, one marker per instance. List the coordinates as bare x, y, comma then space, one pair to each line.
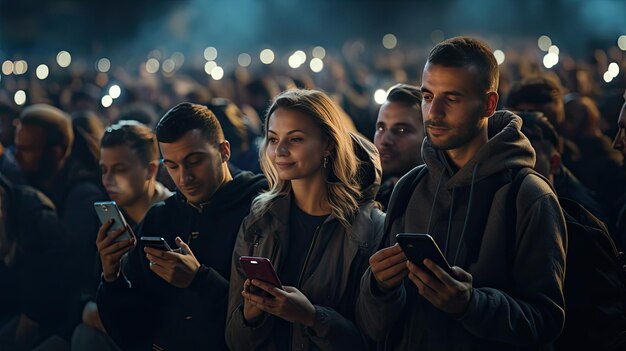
317, 224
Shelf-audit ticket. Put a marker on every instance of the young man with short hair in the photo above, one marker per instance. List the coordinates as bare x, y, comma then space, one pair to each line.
504, 290
177, 299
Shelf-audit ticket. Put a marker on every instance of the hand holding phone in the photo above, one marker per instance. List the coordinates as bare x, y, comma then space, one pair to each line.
108, 210
418, 247
156, 242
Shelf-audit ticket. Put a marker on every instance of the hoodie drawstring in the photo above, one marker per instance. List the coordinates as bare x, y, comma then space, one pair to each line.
469, 207
445, 248
432, 208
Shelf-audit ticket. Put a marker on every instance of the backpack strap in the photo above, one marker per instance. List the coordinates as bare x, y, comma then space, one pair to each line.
517, 178
401, 194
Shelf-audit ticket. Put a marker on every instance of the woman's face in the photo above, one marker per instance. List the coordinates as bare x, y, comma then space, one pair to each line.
124, 176
296, 146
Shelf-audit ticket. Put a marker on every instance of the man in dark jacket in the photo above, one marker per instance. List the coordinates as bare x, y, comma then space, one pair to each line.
44, 143
177, 300
545, 142
31, 247
498, 295
399, 134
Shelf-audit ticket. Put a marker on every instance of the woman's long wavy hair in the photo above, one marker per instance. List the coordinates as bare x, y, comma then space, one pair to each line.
342, 181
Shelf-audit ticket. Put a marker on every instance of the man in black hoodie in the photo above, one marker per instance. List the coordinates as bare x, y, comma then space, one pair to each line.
504, 290
177, 300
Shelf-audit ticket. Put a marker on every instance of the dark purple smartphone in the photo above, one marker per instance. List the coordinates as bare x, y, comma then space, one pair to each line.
260, 268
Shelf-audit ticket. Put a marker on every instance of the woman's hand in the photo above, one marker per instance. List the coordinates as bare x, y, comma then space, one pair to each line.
287, 303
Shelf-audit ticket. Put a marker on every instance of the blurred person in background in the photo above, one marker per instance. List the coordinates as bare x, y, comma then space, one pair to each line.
399, 136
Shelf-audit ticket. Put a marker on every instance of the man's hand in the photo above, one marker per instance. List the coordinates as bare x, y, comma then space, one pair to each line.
289, 304
111, 252
178, 269
389, 267
447, 293
91, 317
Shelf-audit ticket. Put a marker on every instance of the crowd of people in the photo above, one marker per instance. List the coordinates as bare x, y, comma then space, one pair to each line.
509, 169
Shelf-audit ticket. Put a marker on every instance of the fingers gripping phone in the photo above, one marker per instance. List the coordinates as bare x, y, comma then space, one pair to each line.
418, 247
260, 268
156, 242
108, 210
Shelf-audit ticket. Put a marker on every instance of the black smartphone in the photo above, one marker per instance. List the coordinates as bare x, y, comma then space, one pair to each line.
156, 242
260, 268
107, 210
418, 247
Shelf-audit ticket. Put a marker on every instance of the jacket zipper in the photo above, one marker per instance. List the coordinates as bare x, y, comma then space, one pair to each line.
306, 261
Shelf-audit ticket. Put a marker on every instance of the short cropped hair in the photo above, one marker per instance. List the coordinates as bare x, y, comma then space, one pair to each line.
466, 51
136, 136
537, 127
55, 123
405, 93
185, 117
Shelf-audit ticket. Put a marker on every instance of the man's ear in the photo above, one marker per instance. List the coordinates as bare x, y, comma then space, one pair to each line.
225, 150
555, 163
153, 168
491, 103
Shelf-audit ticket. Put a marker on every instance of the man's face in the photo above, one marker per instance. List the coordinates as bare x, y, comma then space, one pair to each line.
35, 159
196, 166
453, 106
398, 138
619, 143
124, 176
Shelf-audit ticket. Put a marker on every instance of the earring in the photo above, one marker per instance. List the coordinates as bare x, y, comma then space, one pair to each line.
325, 161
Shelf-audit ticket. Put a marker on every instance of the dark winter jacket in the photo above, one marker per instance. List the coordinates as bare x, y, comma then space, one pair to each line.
33, 281
517, 300
141, 311
329, 278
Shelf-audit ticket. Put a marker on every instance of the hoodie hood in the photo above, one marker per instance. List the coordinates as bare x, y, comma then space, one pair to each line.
370, 171
243, 186
507, 148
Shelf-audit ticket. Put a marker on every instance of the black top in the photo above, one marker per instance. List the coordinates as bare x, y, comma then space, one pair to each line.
302, 228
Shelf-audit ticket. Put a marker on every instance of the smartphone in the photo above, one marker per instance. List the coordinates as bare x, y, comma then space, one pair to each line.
155, 241
260, 268
418, 247
108, 210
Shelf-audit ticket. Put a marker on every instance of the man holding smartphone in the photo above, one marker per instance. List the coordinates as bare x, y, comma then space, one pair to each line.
176, 300
505, 289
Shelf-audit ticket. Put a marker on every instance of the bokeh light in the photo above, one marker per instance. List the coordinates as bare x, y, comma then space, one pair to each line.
64, 59
42, 71
20, 97
267, 56
390, 41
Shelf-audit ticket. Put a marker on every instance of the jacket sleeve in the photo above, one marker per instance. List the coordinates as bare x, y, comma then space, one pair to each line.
44, 251
536, 314
128, 308
209, 284
333, 331
377, 311
241, 335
